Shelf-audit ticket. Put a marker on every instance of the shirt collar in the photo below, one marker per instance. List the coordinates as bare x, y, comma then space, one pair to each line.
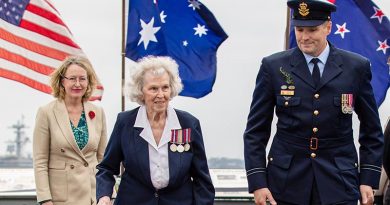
323, 57
172, 123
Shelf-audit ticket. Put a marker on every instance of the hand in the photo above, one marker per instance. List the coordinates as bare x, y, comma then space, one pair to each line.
367, 195
105, 200
48, 203
261, 196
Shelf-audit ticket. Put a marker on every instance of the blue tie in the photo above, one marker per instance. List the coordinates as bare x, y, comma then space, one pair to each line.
316, 72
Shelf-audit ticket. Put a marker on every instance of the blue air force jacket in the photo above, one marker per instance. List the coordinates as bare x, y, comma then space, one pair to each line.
314, 137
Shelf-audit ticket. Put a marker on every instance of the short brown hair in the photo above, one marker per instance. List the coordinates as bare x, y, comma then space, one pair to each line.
58, 90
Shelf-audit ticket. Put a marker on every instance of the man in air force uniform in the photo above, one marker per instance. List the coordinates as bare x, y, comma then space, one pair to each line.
314, 90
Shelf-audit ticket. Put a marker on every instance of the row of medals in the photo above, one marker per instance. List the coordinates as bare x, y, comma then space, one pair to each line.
179, 147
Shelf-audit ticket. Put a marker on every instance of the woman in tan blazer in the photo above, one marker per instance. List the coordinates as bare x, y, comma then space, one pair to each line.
69, 138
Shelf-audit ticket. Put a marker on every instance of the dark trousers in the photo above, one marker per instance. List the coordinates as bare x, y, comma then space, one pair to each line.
315, 198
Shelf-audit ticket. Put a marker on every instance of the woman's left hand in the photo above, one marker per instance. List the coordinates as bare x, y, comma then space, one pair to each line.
105, 200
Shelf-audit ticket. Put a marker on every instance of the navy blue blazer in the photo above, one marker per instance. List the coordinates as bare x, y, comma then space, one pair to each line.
189, 178
309, 114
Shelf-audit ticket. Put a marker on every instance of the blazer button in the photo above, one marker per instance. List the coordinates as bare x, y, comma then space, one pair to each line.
286, 103
316, 112
315, 129
62, 150
313, 155
72, 166
85, 164
156, 195
316, 96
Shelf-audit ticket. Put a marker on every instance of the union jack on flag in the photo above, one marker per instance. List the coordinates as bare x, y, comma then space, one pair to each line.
33, 42
362, 27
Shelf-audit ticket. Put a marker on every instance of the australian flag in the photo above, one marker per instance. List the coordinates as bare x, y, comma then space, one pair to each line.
182, 29
361, 26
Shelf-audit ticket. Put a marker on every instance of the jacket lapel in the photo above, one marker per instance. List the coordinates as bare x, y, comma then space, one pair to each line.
92, 135
175, 158
300, 68
174, 165
332, 67
62, 117
142, 153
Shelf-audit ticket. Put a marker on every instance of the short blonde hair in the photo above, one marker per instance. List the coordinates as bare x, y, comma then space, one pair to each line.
58, 90
158, 65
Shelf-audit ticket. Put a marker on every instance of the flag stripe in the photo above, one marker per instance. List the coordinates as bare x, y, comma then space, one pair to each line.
43, 12
32, 46
43, 40
48, 33
30, 55
50, 4
21, 70
48, 24
25, 80
18, 59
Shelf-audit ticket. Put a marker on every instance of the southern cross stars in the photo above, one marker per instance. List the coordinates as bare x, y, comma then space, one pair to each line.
342, 30
162, 16
383, 46
378, 14
148, 33
200, 30
194, 4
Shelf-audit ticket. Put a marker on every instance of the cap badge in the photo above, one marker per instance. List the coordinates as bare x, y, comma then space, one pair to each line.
303, 10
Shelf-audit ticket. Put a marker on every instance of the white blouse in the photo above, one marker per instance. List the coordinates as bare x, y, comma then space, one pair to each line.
158, 154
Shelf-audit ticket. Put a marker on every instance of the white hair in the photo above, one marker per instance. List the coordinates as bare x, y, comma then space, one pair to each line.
157, 65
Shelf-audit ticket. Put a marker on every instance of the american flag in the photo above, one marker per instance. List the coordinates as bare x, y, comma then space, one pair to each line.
362, 27
33, 42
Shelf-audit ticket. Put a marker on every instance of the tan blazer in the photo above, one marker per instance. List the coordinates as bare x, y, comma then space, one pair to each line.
63, 172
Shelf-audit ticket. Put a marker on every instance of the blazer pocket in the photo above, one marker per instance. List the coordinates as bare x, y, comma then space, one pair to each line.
348, 173
58, 181
277, 171
287, 110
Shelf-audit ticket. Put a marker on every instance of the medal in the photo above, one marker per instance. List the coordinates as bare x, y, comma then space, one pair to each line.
283, 87
291, 87
187, 147
180, 148
347, 103
180, 140
287, 92
173, 147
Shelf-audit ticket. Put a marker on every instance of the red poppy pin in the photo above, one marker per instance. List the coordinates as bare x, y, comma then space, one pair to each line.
91, 115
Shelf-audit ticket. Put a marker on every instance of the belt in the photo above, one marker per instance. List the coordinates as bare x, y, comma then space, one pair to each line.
314, 143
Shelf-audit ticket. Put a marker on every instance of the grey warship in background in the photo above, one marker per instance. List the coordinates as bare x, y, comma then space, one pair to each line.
14, 157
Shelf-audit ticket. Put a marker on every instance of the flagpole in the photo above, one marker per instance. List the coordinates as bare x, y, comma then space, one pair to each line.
123, 54
287, 33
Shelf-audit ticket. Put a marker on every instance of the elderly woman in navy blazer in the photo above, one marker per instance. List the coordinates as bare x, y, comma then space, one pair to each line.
161, 148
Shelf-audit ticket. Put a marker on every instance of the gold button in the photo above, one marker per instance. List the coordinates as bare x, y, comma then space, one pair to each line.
316, 112
356, 164
72, 166
313, 155
286, 103
85, 164
316, 96
271, 159
315, 129
62, 150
